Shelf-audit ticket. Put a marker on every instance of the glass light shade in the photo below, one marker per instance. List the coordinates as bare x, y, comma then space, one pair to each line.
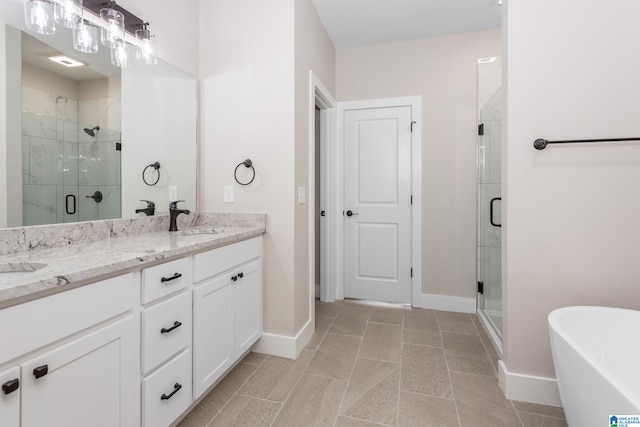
113, 33
120, 55
38, 16
68, 13
85, 39
146, 51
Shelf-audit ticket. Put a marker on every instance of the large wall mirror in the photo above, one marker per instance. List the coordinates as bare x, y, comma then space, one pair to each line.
77, 142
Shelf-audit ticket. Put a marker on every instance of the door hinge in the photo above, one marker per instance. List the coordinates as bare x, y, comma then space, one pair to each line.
481, 129
411, 271
481, 287
412, 123
412, 199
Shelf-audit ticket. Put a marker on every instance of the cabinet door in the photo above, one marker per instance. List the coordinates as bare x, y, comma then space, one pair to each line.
10, 397
212, 333
248, 306
89, 381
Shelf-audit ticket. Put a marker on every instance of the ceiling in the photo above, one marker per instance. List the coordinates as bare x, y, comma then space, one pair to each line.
365, 22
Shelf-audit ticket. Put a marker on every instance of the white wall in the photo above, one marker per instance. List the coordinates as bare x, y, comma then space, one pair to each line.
247, 111
313, 51
175, 25
572, 212
443, 71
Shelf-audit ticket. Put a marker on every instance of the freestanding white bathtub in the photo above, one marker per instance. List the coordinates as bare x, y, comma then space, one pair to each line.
596, 353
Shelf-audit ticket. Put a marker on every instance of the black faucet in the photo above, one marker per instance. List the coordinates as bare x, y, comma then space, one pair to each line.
173, 214
149, 210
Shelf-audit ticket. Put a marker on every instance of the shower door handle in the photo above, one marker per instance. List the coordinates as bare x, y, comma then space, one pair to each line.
71, 211
495, 199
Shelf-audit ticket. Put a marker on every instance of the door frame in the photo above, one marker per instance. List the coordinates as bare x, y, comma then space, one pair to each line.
415, 102
320, 96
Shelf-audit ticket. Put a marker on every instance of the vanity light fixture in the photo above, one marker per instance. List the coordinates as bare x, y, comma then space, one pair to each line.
114, 22
38, 16
68, 13
85, 38
112, 32
66, 61
146, 50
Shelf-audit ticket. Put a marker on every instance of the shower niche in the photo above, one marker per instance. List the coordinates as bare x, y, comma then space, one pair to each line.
71, 142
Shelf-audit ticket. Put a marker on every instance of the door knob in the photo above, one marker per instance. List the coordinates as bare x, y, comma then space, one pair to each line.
349, 213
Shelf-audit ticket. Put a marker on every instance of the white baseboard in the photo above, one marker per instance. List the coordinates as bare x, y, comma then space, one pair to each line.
527, 388
285, 346
446, 303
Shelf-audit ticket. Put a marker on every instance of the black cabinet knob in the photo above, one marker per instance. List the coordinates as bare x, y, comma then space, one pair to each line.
241, 275
234, 278
11, 386
41, 371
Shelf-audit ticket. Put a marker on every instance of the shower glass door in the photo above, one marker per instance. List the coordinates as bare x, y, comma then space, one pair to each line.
489, 153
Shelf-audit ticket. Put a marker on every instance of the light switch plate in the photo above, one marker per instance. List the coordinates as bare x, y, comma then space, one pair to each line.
302, 195
228, 193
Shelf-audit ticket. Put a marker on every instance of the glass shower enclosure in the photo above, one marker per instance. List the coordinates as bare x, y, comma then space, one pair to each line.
489, 165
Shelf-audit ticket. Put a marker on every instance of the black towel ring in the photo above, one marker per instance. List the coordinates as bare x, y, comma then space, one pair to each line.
248, 164
156, 168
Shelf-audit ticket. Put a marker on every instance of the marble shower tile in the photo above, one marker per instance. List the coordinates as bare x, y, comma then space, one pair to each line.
66, 109
39, 204
372, 393
45, 161
110, 206
38, 102
39, 126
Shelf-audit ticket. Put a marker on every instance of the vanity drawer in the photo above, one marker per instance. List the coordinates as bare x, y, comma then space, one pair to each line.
166, 329
165, 279
167, 393
34, 324
213, 262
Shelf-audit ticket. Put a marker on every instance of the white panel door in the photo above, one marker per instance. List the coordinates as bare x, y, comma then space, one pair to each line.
247, 291
378, 204
10, 397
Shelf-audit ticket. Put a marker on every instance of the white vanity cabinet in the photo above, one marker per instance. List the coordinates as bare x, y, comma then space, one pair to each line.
227, 304
69, 359
166, 335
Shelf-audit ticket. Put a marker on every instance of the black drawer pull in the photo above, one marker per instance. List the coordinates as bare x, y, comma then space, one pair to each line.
176, 388
174, 277
234, 278
10, 386
176, 325
41, 371
241, 275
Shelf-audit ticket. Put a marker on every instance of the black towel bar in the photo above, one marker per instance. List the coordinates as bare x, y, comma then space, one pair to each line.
541, 144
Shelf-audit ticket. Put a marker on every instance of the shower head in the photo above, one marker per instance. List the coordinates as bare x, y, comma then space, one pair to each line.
91, 132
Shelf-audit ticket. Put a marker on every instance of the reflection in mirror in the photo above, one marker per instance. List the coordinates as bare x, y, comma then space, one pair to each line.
72, 136
71, 139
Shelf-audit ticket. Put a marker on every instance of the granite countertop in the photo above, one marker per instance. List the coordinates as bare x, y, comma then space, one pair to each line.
53, 269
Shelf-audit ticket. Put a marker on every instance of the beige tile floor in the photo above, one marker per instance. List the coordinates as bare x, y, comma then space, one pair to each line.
373, 364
